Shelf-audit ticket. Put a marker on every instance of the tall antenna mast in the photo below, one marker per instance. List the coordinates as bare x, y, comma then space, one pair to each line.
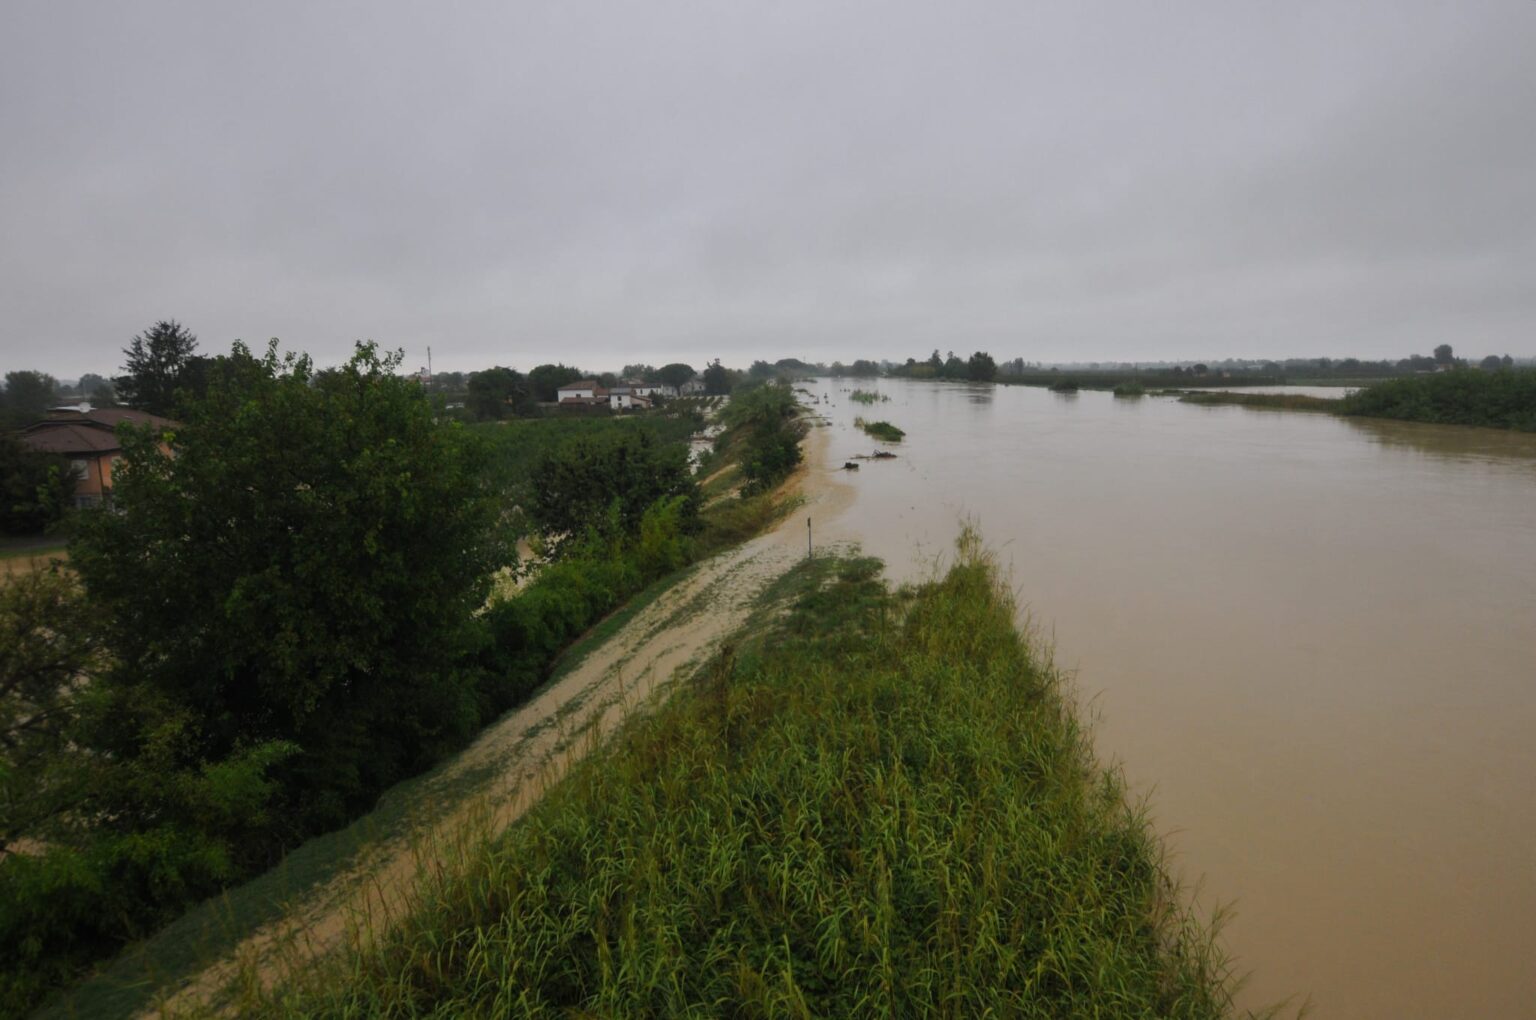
429, 365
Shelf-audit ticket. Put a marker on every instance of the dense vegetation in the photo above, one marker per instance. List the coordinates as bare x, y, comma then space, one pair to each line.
289, 614
1504, 399
868, 397
765, 422
822, 824
882, 430
980, 367
1270, 401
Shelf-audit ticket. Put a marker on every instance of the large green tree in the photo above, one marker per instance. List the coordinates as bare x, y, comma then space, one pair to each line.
27, 395
160, 361
981, 367
674, 374
717, 379
302, 567
546, 380
498, 393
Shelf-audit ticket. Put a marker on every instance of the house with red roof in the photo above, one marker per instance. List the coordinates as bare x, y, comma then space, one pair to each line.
88, 439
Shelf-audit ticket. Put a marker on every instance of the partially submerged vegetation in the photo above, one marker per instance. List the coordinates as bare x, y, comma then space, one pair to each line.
1269, 401
1064, 386
1504, 398
868, 397
821, 824
1130, 389
882, 430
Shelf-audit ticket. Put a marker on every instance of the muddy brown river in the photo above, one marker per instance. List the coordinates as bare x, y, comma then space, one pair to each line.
1311, 641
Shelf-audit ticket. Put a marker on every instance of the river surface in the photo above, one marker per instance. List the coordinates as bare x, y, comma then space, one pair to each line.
1311, 641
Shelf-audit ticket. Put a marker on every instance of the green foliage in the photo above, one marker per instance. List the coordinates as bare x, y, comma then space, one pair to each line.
160, 362
302, 568
35, 488
867, 397
27, 395
822, 825
109, 844
981, 367
674, 374
546, 380
1505, 399
498, 393
763, 424
717, 379
882, 430
48, 652
1130, 389
606, 483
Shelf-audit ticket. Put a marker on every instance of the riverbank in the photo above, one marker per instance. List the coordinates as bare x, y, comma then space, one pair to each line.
819, 823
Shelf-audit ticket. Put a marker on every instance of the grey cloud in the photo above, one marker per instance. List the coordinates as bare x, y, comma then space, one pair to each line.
602, 182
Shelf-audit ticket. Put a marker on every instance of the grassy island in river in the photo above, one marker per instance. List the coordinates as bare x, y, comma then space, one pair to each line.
882, 430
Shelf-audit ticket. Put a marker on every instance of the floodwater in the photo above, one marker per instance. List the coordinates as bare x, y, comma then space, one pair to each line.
1311, 640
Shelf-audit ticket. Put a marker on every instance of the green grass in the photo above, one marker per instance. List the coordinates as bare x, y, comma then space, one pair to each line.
1267, 401
867, 397
882, 430
870, 804
1130, 389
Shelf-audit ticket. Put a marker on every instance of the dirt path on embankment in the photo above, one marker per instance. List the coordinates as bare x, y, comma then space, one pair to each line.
514, 760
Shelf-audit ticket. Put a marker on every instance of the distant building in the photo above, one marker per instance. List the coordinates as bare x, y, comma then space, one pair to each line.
692, 387
583, 389
88, 438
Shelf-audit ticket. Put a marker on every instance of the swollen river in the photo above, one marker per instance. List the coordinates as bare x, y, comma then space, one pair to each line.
1311, 641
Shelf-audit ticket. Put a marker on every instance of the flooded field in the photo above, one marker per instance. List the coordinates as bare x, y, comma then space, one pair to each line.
1311, 640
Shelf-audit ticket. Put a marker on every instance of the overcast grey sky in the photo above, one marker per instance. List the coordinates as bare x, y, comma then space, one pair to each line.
516, 182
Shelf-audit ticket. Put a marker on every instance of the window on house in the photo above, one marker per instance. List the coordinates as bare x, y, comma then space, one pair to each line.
81, 469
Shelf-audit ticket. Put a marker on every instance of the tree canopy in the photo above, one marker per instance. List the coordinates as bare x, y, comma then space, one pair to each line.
674, 374
303, 569
498, 393
160, 361
604, 483
546, 380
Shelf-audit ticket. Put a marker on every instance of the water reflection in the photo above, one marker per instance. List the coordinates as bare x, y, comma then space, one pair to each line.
1448, 442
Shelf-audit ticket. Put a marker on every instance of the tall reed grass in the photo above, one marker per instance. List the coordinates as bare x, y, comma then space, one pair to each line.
871, 804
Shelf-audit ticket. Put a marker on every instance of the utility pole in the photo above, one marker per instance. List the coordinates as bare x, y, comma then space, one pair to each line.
429, 366
807, 537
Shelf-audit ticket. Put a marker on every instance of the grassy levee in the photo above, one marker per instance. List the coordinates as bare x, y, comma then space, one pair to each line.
870, 804
1267, 401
